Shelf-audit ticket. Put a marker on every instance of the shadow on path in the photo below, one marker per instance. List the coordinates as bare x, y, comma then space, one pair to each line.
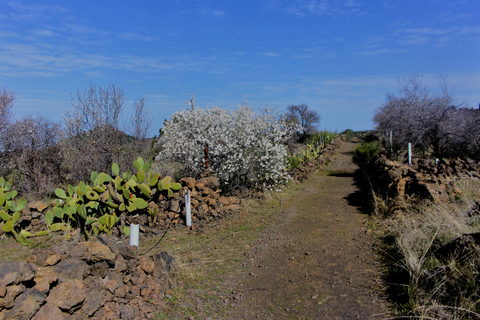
361, 198
342, 174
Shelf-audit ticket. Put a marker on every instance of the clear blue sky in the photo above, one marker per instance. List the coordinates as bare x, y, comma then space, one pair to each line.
338, 57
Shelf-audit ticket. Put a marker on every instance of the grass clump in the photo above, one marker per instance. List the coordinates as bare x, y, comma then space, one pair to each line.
434, 258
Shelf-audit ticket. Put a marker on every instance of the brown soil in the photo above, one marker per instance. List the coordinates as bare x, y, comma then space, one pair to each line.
316, 260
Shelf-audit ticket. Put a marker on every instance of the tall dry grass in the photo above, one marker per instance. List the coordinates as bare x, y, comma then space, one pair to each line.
439, 283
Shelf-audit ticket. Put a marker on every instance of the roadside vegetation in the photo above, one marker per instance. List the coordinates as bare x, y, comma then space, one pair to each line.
430, 250
302, 153
432, 257
96, 168
38, 155
434, 122
93, 171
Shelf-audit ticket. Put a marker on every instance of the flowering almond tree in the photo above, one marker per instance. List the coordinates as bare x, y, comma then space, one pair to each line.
246, 149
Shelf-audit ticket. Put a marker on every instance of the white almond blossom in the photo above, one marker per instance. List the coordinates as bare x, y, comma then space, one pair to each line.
246, 149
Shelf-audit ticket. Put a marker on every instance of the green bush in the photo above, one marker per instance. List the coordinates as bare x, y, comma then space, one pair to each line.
364, 153
294, 162
348, 134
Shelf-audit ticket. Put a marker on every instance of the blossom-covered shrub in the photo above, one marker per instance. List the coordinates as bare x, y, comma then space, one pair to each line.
246, 149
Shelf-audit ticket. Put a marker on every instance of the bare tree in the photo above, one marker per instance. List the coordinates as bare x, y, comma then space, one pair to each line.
140, 123
466, 141
29, 154
95, 136
429, 121
92, 139
6, 113
307, 118
32, 156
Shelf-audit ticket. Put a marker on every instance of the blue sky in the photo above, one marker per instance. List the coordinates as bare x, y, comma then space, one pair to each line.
338, 57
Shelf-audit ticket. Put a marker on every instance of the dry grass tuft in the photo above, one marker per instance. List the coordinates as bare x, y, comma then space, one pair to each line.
379, 205
442, 283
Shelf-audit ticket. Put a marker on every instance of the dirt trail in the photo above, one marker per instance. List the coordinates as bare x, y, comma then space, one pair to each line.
316, 261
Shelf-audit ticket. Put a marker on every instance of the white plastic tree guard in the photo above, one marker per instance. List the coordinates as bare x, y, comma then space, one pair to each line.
409, 154
188, 209
134, 234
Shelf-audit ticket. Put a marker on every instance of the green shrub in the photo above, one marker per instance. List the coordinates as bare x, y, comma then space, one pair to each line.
371, 136
364, 153
348, 134
323, 137
294, 162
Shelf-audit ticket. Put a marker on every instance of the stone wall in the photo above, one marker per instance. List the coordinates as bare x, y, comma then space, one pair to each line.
103, 278
424, 179
207, 205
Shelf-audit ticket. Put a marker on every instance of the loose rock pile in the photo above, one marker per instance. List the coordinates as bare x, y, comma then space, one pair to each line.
97, 279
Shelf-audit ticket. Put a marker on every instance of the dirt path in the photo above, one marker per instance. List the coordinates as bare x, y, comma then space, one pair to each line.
316, 261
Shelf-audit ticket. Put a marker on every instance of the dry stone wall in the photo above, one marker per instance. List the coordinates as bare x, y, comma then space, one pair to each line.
206, 200
425, 179
104, 278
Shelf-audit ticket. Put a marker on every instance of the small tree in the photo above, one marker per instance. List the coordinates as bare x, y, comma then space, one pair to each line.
139, 127
349, 134
307, 118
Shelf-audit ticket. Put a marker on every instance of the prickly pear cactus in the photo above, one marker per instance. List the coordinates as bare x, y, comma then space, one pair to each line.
97, 207
10, 211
